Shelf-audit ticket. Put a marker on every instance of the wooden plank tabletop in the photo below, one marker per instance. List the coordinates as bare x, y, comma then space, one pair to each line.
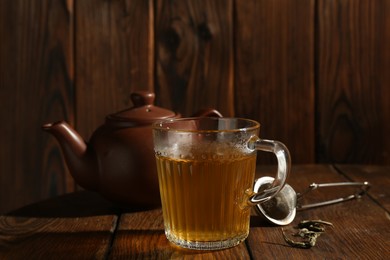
83, 225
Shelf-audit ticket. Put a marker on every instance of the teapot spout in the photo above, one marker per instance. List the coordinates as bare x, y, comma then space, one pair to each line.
79, 159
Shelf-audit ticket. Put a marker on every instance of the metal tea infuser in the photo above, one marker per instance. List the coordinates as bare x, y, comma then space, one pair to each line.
281, 209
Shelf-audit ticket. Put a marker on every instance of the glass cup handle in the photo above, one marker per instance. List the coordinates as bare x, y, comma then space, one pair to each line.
284, 165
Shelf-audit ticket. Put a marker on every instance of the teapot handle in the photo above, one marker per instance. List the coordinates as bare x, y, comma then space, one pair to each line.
208, 112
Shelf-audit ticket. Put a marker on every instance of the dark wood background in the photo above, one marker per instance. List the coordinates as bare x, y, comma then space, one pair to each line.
315, 73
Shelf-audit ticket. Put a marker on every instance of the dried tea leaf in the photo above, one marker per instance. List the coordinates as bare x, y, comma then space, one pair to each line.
309, 231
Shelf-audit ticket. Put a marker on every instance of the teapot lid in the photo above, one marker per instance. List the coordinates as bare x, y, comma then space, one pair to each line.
144, 111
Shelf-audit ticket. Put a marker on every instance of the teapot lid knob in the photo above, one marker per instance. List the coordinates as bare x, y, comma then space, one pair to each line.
142, 98
143, 112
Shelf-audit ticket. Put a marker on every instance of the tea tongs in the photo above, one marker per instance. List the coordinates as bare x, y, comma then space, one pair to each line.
364, 186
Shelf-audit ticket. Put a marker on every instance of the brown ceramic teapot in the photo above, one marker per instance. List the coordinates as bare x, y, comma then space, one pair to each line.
118, 161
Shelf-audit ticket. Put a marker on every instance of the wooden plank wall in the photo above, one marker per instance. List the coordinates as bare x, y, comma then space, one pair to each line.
353, 80
36, 85
315, 73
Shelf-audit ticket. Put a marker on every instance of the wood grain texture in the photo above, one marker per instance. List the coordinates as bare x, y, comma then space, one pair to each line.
77, 226
36, 78
114, 57
274, 71
83, 225
194, 60
353, 58
313, 72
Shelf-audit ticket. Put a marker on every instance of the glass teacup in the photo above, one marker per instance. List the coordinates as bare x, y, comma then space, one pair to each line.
206, 169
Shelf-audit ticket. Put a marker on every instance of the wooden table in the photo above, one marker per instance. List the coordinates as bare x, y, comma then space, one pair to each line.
82, 225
